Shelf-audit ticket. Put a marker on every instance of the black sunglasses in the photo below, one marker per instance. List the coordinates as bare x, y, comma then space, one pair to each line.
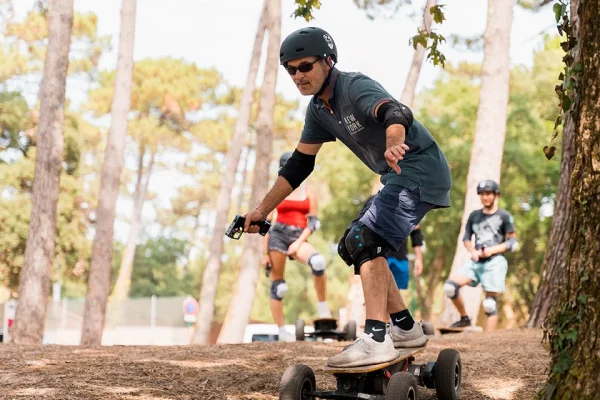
304, 67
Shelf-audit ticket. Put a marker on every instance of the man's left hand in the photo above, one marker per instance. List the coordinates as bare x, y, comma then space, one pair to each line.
394, 154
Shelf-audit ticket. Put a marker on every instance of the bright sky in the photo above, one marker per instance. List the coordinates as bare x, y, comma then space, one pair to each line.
220, 34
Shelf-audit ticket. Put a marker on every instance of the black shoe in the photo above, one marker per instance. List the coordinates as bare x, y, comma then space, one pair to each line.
462, 323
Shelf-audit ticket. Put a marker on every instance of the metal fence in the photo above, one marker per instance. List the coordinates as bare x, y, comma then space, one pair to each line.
142, 317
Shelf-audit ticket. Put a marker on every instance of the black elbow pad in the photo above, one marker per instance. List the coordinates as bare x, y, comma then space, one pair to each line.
298, 168
391, 113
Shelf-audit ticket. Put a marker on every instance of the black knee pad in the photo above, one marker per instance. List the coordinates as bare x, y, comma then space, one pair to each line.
343, 250
359, 245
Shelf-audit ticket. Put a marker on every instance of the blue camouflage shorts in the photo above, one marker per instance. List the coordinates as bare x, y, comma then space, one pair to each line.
392, 214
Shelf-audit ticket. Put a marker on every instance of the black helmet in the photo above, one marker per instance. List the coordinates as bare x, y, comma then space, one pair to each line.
307, 42
488, 186
284, 158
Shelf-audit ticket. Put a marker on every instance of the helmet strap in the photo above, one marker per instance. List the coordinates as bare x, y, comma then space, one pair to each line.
326, 82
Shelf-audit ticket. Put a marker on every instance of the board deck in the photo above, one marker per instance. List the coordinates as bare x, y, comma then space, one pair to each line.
403, 354
324, 319
458, 330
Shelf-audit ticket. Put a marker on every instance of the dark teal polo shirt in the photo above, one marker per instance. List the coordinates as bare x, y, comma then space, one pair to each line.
350, 118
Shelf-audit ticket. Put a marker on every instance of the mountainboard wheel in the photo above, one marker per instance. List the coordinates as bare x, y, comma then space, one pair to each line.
402, 386
297, 383
447, 375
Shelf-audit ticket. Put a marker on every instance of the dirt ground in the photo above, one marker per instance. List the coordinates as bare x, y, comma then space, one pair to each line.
507, 364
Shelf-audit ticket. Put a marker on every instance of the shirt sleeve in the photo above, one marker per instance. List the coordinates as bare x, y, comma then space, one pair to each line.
508, 223
469, 228
416, 238
366, 94
313, 132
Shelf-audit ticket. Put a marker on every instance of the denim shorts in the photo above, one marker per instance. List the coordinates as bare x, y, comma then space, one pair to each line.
281, 236
392, 214
490, 273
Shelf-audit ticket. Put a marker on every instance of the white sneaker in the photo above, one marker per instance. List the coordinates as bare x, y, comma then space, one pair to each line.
365, 351
412, 338
286, 337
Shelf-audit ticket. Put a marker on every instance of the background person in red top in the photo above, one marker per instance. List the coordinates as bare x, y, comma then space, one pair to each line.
296, 219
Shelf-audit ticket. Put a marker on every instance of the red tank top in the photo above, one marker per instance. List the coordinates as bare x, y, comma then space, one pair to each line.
293, 212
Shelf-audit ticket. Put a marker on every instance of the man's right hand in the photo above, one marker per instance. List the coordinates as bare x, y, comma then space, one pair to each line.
475, 255
394, 154
253, 216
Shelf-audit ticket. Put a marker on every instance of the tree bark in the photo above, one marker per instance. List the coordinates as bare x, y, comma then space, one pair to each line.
35, 276
239, 310
575, 321
123, 283
110, 182
417, 62
210, 277
556, 254
244, 170
490, 131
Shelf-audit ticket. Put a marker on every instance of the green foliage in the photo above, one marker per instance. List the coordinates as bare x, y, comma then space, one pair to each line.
534, 5
470, 43
24, 49
72, 249
422, 38
305, 8
380, 8
15, 205
14, 115
438, 14
566, 90
349, 184
158, 268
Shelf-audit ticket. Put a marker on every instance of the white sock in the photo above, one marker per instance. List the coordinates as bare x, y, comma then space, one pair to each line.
322, 307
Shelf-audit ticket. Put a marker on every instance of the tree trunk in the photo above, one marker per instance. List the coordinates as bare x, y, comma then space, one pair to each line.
575, 321
123, 283
102, 248
210, 278
240, 203
415, 68
490, 131
239, 310
35, 276
556, 254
